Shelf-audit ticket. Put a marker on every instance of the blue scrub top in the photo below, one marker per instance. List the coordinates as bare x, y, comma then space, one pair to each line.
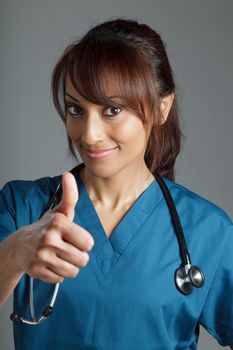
126, 298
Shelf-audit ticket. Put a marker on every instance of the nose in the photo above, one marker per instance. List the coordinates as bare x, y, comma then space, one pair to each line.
92, 129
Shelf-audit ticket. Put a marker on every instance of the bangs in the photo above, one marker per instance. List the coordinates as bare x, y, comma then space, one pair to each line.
106, 67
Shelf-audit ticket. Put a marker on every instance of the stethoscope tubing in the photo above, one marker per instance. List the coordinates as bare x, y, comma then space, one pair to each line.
185, 257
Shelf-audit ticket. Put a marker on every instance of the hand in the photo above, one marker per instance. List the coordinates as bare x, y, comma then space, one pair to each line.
54, 247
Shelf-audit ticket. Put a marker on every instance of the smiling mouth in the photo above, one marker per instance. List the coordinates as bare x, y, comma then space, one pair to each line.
100, 153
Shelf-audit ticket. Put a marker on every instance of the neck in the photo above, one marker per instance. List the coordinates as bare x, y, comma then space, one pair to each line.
118, 190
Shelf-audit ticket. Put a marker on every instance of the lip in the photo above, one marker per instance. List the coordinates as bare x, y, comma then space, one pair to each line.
99, 154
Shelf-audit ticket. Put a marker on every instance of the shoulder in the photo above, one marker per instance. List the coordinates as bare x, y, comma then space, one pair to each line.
25, 199
207, 228
25, 188
195, 205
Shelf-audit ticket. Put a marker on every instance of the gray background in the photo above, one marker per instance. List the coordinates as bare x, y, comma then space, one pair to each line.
199, 42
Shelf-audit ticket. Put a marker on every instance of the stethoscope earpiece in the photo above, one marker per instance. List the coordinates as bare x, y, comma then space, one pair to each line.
188, 277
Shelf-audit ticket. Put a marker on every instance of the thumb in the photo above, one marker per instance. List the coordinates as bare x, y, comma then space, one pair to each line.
69, 195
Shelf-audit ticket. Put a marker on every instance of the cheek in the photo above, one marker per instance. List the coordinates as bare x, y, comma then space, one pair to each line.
131, 133
72, 130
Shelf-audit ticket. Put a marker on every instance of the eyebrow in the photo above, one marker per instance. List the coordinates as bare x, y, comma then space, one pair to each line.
66, 94
73, 98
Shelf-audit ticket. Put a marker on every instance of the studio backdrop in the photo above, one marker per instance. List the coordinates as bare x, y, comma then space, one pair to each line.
33, 143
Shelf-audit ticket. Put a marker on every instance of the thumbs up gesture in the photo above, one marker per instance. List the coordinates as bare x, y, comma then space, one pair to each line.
54, 247
70, 196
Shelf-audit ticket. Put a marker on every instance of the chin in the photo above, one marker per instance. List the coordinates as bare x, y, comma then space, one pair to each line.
101, 169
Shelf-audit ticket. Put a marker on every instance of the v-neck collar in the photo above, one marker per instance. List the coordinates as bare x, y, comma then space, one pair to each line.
107, 251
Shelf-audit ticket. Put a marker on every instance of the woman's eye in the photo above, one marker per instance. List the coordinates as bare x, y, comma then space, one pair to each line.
112, 111
73, 110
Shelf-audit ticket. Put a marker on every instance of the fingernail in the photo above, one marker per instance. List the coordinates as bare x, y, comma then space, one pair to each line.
90, 243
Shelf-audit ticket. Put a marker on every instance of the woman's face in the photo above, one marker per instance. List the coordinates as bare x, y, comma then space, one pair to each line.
96, 128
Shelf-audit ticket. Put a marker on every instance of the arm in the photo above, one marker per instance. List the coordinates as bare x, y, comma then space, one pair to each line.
217, 312
10, 274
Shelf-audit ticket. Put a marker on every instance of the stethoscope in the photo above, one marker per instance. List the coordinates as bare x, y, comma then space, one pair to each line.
186, 276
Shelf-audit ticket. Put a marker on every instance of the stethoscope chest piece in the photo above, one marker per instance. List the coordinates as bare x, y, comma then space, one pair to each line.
188, 277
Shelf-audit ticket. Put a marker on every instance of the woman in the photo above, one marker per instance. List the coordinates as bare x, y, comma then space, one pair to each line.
111, 240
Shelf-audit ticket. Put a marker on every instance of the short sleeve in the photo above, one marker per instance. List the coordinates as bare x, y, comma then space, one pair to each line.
217, 314
7, 212
23, 201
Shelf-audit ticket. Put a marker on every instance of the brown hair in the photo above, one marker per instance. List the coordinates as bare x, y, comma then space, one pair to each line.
131, 59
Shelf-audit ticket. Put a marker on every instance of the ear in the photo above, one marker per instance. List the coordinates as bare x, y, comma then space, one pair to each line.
165, 106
